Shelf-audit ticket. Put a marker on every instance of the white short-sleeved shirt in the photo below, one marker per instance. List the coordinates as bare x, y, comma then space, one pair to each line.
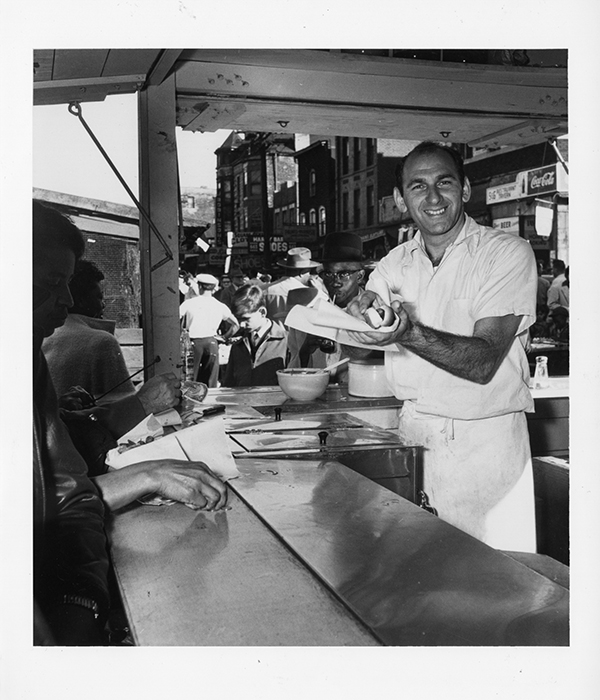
484, 273
203, 315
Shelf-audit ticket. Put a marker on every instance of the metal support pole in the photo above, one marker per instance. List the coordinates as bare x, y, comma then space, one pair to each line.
267, 213
559, 154
158, 194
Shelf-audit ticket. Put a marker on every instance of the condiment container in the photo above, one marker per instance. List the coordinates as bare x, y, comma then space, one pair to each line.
540, 377
367, 378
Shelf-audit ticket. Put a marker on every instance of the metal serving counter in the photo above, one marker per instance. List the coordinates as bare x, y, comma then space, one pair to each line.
310, 552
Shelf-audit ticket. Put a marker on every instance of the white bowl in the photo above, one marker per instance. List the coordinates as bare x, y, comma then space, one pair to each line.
303, 384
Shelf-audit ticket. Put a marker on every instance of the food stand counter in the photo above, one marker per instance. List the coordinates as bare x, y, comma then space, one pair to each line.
310, 552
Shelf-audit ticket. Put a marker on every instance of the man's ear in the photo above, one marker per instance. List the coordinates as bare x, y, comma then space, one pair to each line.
399, 199
466, 190
262, 311
361, 275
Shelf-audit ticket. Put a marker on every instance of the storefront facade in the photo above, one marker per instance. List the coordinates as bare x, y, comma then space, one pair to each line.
534, 205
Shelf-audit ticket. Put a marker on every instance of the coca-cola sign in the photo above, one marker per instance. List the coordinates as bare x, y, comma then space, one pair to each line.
541, 180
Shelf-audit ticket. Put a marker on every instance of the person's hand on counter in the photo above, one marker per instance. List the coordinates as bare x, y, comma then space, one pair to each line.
191, 483
160, 393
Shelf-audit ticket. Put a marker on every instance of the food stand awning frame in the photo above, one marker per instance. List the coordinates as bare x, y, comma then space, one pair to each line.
293, 91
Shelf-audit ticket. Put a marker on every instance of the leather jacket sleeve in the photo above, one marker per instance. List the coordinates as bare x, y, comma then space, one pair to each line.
69, 540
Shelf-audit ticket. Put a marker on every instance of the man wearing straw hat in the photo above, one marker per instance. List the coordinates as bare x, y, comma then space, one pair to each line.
298, 268
343, 274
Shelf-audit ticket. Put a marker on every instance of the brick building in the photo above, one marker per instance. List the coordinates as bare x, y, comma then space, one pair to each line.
316, 188
252, 168
111, 233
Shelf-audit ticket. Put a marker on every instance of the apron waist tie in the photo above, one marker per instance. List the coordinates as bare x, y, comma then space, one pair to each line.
448, 429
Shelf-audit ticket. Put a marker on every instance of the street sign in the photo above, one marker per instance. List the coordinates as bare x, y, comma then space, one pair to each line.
256, 244
216, 256
542, 180
240, 239
504, 193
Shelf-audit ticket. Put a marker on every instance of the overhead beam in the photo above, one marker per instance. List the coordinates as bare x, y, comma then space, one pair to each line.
525, 133
205, 116
313, 76
51, 92
163, 66
193, 114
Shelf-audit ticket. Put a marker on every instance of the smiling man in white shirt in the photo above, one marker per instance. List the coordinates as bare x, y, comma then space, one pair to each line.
465, 295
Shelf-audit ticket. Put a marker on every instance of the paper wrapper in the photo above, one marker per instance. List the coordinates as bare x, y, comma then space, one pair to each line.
205, 442
149, 427
327, 320
168, 417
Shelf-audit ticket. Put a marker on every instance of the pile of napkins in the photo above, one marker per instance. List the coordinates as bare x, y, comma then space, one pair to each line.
205, 442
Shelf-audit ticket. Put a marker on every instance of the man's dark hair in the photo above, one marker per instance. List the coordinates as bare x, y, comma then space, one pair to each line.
247, 299
85, 277
426, 148
558, 265
52, 229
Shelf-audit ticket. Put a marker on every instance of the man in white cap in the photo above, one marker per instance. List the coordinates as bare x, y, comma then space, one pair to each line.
201, 316
298, 268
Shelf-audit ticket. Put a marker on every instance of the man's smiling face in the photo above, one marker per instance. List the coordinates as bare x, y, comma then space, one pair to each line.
433, 194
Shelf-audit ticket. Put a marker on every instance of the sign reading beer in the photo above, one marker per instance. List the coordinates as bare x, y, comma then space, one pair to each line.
509, 224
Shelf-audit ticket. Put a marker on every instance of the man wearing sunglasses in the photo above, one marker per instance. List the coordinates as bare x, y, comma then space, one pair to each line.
343, 275
343, 267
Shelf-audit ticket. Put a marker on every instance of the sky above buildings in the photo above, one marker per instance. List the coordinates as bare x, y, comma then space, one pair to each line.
65, 159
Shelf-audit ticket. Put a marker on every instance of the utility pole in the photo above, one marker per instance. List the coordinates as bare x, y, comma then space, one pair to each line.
267, 216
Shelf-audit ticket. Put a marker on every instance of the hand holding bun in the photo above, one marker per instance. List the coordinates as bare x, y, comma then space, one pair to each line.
382, 317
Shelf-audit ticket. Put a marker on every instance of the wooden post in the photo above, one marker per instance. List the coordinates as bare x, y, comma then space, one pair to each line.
158, 196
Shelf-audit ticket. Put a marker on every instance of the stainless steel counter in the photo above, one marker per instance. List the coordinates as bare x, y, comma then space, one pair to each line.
312, 553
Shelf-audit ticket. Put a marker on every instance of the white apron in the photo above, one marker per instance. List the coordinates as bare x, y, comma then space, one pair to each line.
478, 474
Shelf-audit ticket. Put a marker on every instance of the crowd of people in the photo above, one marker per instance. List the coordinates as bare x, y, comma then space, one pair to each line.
465, 299
552, 304
248, 315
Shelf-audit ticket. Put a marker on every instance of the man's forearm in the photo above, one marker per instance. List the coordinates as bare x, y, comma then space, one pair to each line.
467, 357
121, 487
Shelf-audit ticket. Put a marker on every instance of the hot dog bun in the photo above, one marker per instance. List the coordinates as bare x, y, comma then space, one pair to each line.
382, 317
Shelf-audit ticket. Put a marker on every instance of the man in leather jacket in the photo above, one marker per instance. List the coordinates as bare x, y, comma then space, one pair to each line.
70, 557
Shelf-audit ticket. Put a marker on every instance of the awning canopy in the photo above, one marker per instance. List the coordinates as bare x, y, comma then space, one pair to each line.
322, 92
